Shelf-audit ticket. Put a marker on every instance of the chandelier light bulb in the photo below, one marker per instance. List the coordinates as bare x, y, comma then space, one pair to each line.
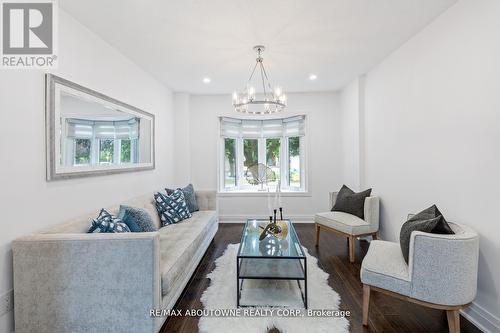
277, 92
282, 99
251, 93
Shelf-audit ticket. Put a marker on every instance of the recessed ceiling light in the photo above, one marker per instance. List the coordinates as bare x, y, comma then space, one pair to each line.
206, 80
313, 77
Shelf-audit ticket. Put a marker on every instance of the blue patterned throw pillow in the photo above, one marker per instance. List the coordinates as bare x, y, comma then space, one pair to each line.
106, 222
189, 195
171, 208
137, 219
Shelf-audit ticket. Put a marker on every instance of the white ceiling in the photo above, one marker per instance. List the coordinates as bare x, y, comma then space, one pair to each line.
182, 41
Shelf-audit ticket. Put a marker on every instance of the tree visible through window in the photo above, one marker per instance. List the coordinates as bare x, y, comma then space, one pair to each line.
250, 152
250, 155
273, 150
125, 150
294, 161
106, 150
229, 162
82, 151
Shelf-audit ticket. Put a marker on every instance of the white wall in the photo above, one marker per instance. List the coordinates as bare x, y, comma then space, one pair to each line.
324, 151
182, 152
432, 134
28, 202
350, 104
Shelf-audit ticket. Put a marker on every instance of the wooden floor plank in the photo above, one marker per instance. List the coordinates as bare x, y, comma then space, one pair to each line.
387, 314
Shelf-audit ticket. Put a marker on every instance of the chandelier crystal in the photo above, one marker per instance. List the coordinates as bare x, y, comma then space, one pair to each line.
270, 100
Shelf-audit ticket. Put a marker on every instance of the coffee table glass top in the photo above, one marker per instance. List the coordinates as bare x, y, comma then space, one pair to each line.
270, 247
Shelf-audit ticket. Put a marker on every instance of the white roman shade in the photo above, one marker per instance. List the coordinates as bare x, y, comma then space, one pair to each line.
87, 129
266, 128
294, 126
104, 130
79, 129
126, 129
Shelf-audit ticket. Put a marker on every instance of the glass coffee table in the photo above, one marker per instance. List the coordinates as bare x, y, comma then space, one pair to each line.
270, 259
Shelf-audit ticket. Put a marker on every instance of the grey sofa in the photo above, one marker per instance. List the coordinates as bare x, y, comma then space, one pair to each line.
441, 273
66, 280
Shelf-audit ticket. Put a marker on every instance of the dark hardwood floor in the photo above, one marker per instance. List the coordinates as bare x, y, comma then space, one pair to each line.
387, 314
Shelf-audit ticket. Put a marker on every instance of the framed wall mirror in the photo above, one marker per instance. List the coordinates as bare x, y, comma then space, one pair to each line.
90, 134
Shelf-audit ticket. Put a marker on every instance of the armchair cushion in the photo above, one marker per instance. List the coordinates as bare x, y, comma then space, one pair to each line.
344, 222
442, 227
424, 225
385, 267
350, 202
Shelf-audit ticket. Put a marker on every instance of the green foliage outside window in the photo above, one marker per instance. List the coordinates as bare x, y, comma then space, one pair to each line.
251, 152
125, 152
230, 162
294, 146
106, 150
273, 151
294, 161
82, 151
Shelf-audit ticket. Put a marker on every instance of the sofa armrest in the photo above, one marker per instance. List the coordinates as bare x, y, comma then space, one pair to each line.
372, 211
92, 282
207, 200
443, 268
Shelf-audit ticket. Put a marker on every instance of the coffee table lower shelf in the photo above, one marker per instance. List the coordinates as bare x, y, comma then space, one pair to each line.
269, 268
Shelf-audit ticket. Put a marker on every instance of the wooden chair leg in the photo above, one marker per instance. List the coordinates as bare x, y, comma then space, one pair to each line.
317, 234
366, 303
351, 249
453, 321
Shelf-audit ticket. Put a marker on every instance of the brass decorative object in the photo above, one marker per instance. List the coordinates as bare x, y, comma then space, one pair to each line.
278, 229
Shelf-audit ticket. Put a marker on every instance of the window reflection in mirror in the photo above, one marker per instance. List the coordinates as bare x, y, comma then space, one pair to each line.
94, 134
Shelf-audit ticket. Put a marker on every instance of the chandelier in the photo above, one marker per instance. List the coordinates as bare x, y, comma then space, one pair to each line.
266, 102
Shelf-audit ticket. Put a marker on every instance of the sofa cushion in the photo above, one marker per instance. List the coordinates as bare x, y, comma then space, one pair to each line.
347, 223
385, 267
178, 244
189, 195
106, 222
171, 208
351, 202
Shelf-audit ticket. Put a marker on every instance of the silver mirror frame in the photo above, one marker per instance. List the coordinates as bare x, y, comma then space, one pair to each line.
50, 137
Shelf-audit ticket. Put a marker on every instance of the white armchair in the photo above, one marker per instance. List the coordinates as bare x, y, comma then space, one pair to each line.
441, 273
349, 225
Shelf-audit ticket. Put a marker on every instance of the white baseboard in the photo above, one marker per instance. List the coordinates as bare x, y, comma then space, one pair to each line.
481, 318
243, 218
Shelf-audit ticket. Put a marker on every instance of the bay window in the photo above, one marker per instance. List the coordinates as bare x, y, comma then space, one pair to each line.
101, 142
276, 143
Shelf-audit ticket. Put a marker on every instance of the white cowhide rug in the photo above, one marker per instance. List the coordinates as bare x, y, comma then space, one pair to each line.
221, 294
